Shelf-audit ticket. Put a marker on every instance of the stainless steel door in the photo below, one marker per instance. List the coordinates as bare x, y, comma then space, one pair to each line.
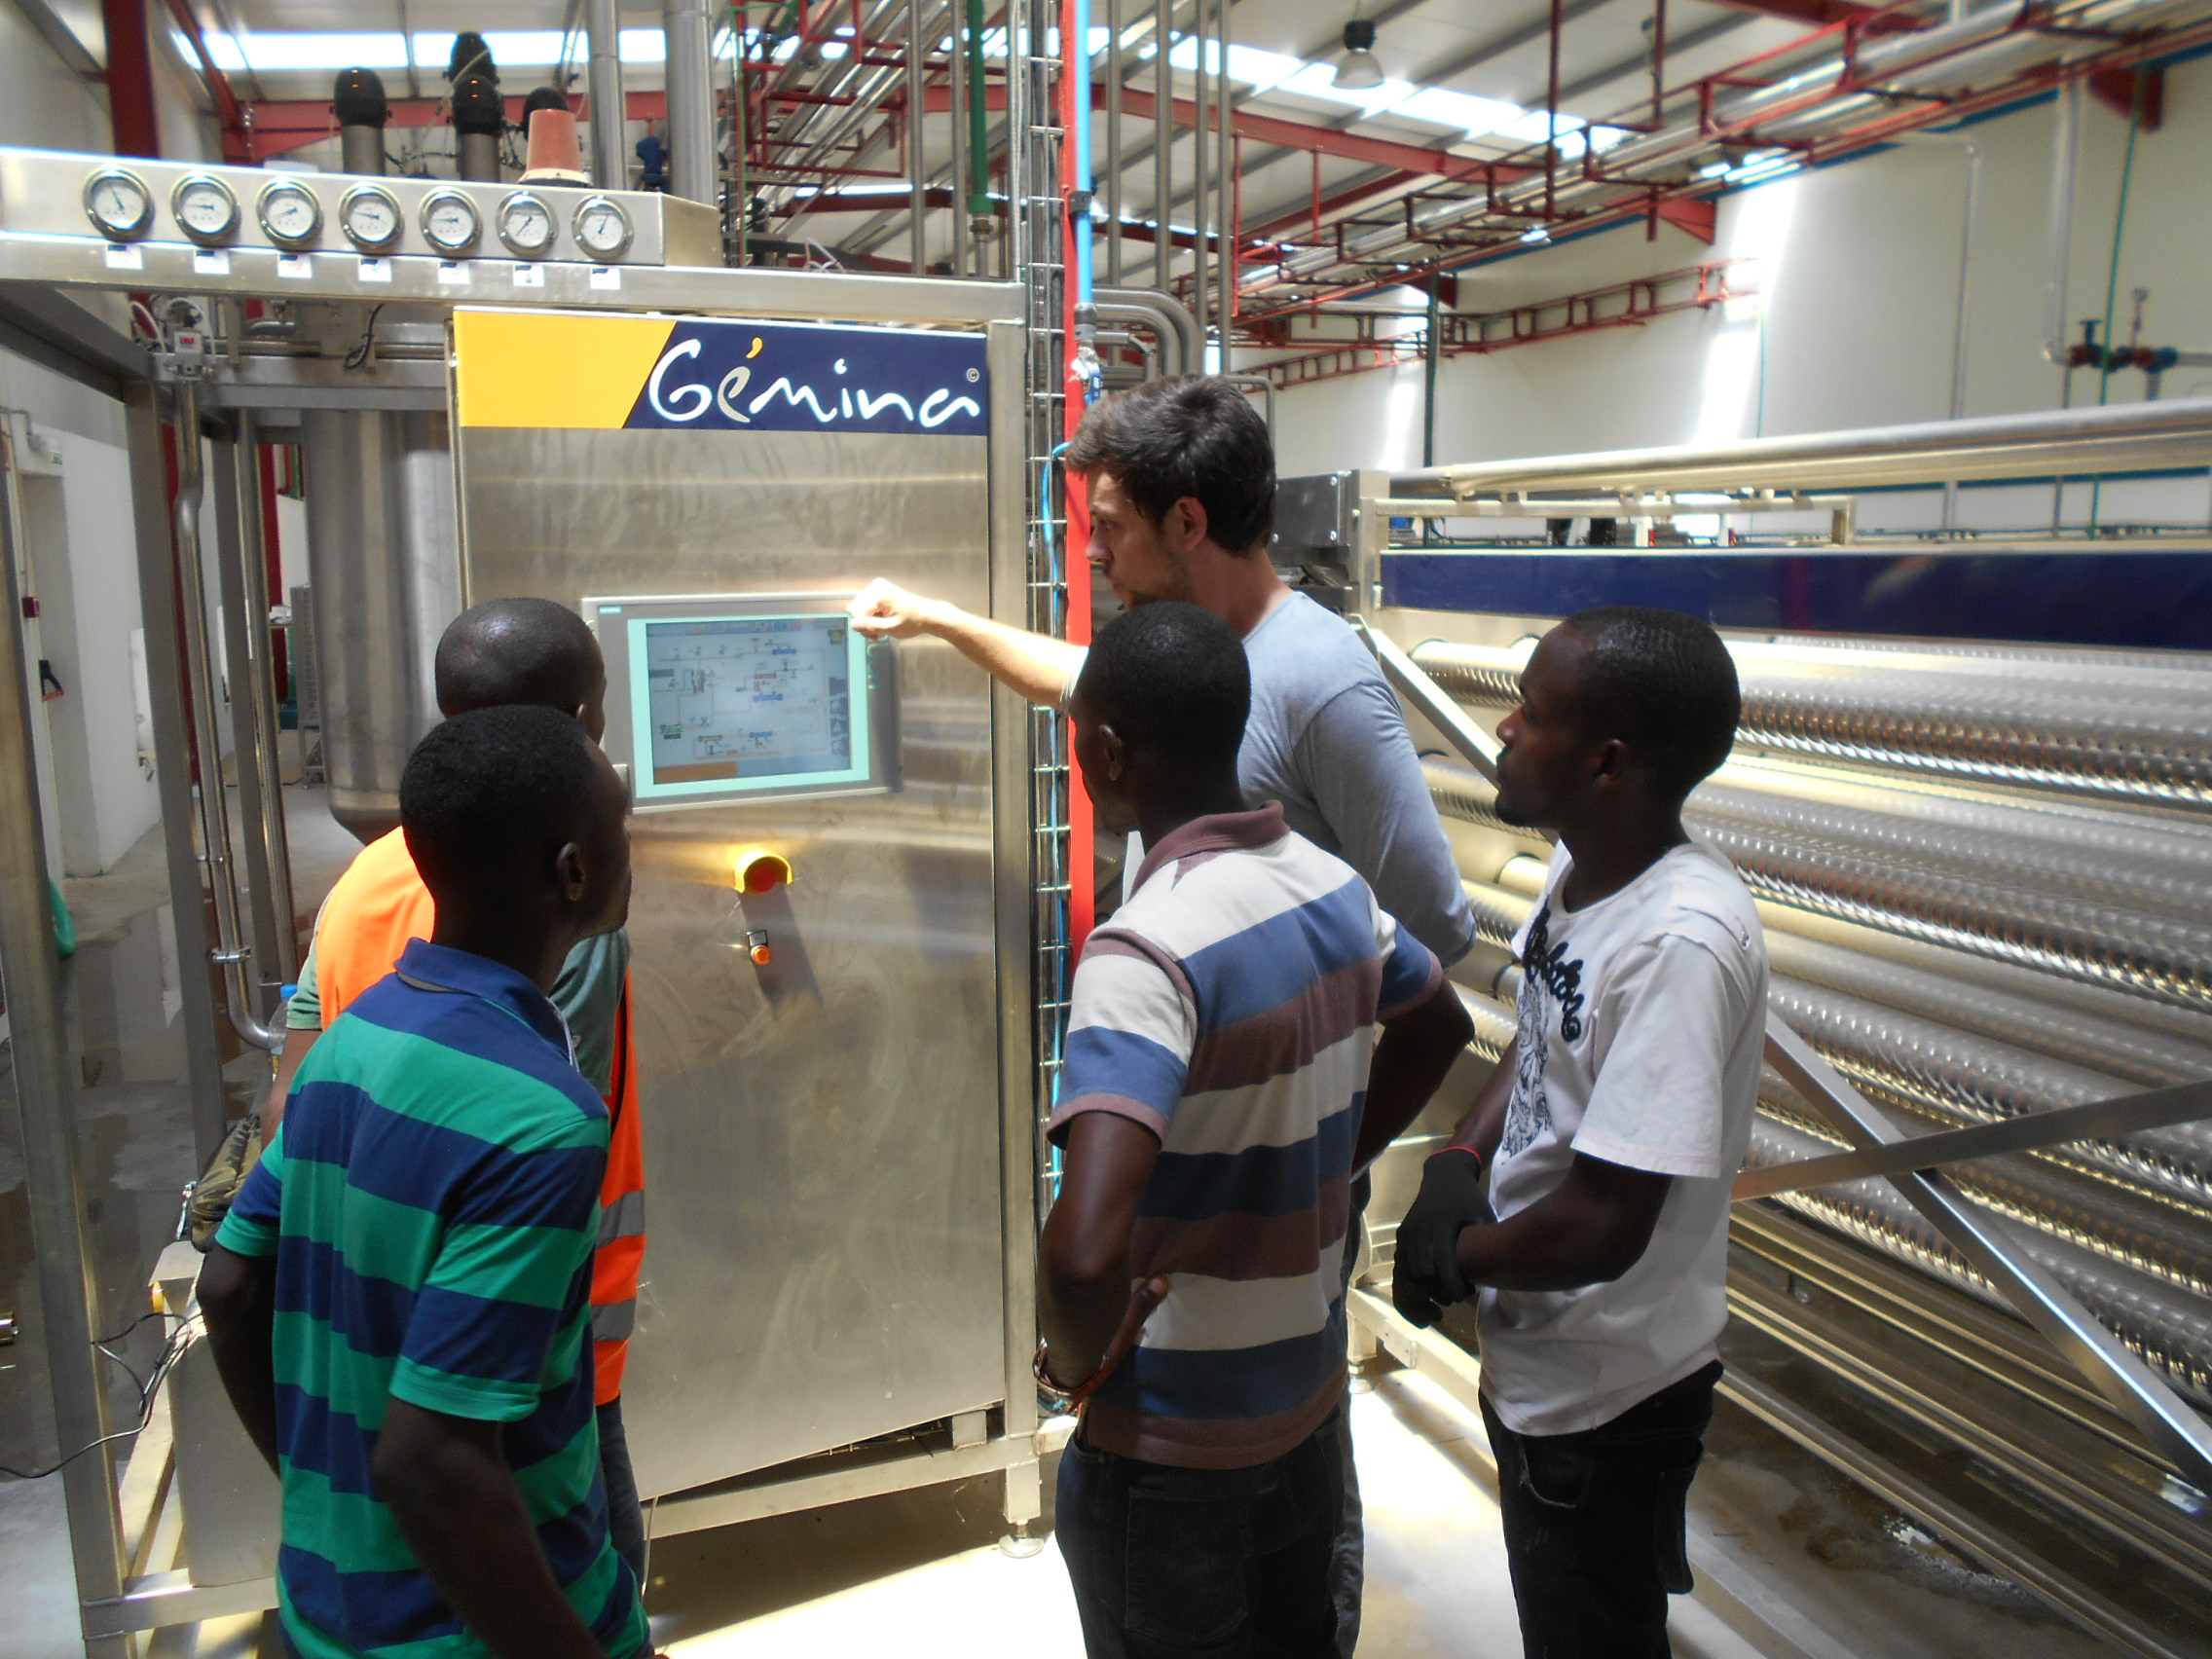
823, 1134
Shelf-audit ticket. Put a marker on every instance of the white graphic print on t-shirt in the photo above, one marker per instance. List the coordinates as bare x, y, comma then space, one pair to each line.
1642, 1016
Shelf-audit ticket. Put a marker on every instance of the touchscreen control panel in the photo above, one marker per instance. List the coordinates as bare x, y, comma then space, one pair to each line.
737, 696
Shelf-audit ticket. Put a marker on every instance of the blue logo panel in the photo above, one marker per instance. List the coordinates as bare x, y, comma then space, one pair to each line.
778, 376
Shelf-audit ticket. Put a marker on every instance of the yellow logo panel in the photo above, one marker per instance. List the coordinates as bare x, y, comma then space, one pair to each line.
550, 369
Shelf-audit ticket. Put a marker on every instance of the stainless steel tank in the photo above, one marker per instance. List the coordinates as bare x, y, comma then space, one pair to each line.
384, 554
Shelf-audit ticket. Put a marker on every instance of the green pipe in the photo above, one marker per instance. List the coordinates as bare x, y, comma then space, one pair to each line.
978, 113
2112, 279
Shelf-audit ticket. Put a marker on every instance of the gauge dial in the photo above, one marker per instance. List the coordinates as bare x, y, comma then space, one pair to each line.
206, 209
290, 214
525, 224
119, 204
602, 227
448, 221
369, 215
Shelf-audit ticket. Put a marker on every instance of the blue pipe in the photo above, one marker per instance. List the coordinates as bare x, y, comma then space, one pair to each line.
1086, 363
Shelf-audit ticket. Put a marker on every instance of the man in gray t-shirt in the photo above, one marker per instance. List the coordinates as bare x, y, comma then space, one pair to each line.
1182, 495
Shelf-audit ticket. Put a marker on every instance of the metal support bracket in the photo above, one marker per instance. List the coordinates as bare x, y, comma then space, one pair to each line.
2124, 1379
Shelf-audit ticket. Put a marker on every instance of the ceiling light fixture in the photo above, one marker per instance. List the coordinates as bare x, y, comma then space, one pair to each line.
1358, 71
1535, 235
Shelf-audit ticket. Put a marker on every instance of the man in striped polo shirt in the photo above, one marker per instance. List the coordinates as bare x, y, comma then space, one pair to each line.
399, 1299
1223, 1084
501, 652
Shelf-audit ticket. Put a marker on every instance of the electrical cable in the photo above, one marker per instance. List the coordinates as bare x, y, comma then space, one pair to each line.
171, 1352
359, 354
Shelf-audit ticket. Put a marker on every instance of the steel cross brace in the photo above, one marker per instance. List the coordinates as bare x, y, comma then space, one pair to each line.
2124, 1379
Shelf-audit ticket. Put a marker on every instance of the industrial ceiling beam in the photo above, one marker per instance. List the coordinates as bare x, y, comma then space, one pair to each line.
1824, 14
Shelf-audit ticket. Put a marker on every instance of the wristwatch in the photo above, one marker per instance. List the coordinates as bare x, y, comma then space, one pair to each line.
1070, 1398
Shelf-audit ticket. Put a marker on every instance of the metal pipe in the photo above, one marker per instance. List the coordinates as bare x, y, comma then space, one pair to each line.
2065, 167
1181, 344
2172, 1326
234, 503
232, 952
610, 155
917, 166
2171, 434
958, 79
1266, 388
1201, 249
1162, 148
2042, 1284
1801, 104
2148, 743
693, 167
1113, 142
979, 127
1224, 173
38, 1050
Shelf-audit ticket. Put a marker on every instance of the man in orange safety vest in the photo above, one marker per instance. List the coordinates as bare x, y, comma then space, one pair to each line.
503, 651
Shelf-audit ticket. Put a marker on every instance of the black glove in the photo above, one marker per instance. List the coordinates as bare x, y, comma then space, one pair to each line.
1426, 1278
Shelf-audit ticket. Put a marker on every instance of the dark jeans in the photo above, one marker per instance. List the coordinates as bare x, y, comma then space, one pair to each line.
1203, 1563
625, 1519
1594, 1523
1348, 1560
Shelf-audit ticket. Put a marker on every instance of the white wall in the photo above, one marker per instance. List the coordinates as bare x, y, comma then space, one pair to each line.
1858, 269
84, 562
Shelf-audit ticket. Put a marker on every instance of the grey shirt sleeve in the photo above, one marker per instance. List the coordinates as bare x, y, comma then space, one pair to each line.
1356, 760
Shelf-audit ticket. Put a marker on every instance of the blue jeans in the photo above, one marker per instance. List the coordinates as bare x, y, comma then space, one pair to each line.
625, 1516
1203, 1563
1595, 1524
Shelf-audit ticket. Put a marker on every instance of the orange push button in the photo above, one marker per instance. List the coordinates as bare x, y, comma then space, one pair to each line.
758, 870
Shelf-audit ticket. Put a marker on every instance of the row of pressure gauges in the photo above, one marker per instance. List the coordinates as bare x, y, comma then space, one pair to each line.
121, 207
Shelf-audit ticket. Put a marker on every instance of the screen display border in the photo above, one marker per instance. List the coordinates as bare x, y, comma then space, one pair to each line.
646, 791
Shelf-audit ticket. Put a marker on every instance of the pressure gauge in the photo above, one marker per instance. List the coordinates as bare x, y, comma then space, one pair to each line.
449, 222
602, 227
118, 203
290, 214
369, 215
206, 209
525, 224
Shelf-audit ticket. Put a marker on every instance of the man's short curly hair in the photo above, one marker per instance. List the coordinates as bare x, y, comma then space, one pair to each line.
496, 793
1186, 435
1662, 682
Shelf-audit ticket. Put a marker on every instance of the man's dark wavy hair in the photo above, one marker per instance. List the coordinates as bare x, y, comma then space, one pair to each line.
1662, 682
487, 794
1186, 435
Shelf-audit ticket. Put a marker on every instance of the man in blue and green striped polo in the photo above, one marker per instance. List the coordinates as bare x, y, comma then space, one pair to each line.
398, 1300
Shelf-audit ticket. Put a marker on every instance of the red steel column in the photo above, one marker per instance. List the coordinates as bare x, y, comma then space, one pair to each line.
130, 78
1074, 106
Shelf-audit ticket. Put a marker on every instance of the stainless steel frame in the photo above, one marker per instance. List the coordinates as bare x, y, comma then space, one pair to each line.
257, 375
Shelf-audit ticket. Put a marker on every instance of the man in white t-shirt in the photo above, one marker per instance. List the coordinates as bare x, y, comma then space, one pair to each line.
1611, 1130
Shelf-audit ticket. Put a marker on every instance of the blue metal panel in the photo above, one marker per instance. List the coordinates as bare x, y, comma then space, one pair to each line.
2077, 598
